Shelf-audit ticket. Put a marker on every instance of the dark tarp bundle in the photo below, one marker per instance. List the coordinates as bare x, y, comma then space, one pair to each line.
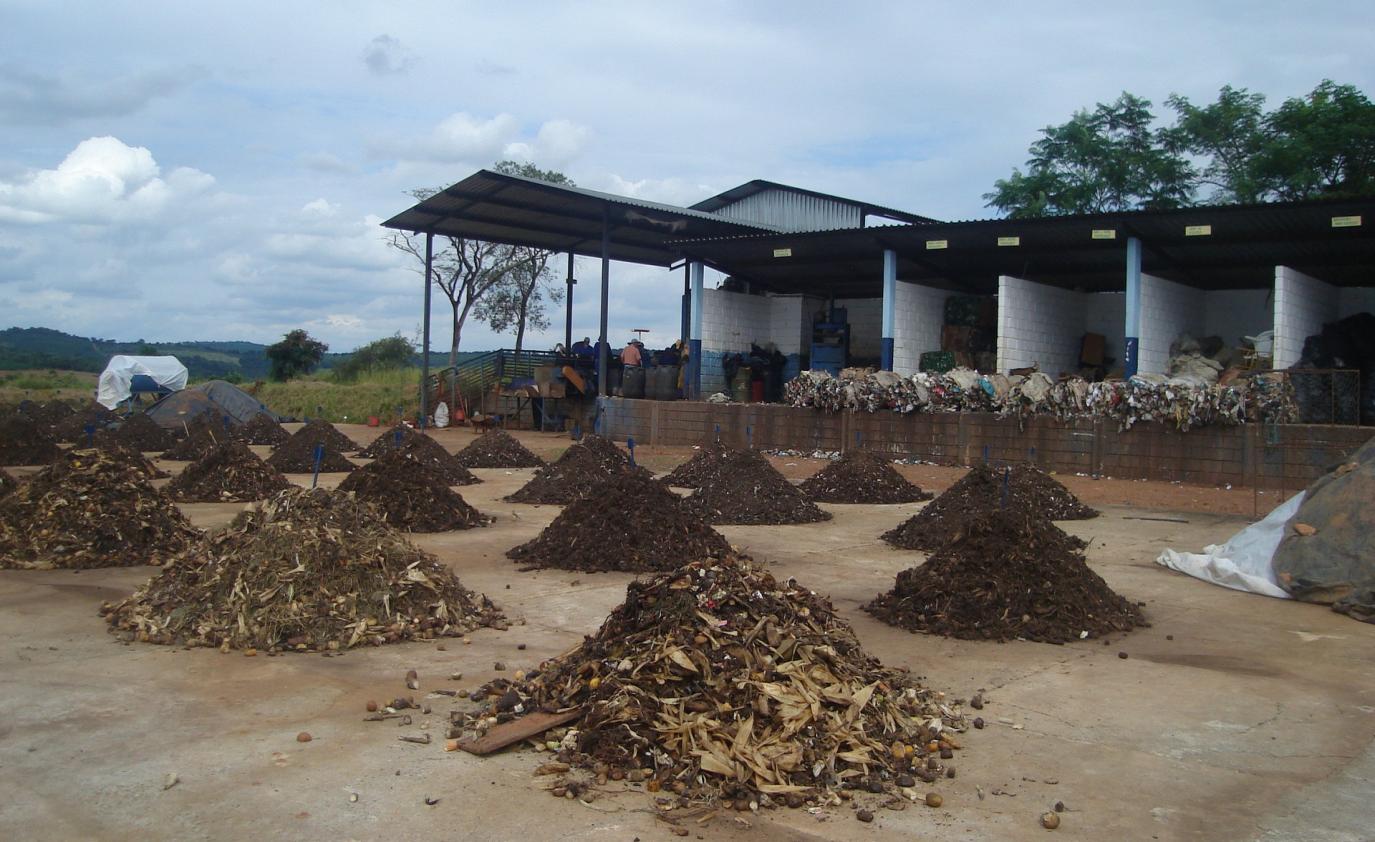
216, 398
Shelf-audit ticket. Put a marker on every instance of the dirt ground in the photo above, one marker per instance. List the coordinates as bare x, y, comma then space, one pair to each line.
1255, 721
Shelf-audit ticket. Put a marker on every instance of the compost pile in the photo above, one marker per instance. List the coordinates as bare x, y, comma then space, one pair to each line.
72, 428
431, 455
90, 509
701, 468
46, 414
8, 484
396, 436
1007, 575
302, 570
719, 682
296, 455
262, 429
1029, 491
748, 490
497, 449
202, 436
861, 477
582, 466
628, 522
122, 452
411, 496
229, 473
138, 432
24, 442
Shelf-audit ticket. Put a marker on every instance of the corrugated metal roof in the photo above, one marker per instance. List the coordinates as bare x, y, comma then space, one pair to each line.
750, 188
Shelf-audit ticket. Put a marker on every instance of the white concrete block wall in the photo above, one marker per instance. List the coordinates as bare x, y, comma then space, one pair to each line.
732, 320
919, 314
1105, 313
866, 325
1302, 305
1167, 310
786, 315
1039, 325
1234, 313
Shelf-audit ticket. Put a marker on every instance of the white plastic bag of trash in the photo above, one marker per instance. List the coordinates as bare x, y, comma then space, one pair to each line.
1243, 563
441, 415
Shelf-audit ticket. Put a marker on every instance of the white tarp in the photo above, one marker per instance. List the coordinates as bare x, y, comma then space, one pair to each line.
167, 372
1243, 563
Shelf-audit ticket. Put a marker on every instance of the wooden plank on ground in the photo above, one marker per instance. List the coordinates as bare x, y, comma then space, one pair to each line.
509, 733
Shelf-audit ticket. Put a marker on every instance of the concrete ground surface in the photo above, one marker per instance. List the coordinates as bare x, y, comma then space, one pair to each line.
1254, 722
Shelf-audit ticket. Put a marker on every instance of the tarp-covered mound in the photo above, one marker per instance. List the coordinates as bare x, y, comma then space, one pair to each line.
116, 380
411, 496
1327, 554
297, 454
628, 522
262, 429
575, 473
229, 473
140, 433
1007, 575
90, 509
216, 398
859, 476
719, 682
24, 442
303, 570
497, 449
202, 434
748, 490
701, 468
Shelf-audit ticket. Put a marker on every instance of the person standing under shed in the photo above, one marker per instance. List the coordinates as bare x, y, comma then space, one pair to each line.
631, 355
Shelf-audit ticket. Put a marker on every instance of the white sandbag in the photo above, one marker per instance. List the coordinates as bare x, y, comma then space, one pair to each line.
1243, 563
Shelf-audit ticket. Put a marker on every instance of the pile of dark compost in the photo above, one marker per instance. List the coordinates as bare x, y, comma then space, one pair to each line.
140, 433
229, 473
296, 455
201, 435
575, 473
262, 429
497, 449
748, 490
430, 454
8, 484
72, 428
24, 441
859, 476
411, 496
701, 468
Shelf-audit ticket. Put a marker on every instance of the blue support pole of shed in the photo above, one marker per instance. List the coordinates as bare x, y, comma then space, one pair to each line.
425, 342
694, 375
603, 349
1132, 344
568, 309
890, 292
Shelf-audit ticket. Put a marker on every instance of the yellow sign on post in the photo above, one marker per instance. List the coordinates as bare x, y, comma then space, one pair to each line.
1198, 230
1104, 234
932, 245
1346, 222
782, 252
1009, 241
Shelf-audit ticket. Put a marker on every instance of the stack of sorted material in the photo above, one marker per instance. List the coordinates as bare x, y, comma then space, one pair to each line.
24, 442
303, 570
628, 522
1007, 575
861, 477
701, 469
296, 455
411, 496
138, 432
748, 490
229, 473
1022, 490
72, 428
717, 682
90, 509
497, 449
1267, 398
8, 484
581, 467
203, 434
262, 429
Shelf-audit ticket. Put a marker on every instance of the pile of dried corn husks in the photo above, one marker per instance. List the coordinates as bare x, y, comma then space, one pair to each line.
1267, 398
90, 508
716, 681
303, 570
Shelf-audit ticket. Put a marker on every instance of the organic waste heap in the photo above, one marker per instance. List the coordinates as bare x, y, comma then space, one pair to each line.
90, 509
861, 477
431, 455
497, 449
202, 434
262, 429
122, 452
303, 570
1022, 489
8, 484
1006, 575
627, 522
139, 432
393, 438
573, 475
229, 473
716, 681
410, 496
46, 414
296, 455
72, 428
24, 442
748, 490
701, 469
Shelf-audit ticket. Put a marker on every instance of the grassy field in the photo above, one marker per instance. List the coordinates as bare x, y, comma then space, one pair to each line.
46, 384
319, 396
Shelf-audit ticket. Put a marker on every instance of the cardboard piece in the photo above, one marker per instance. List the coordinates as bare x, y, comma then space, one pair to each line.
509, 733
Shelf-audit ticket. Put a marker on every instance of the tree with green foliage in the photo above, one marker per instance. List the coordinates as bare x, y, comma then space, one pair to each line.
1322, 144
390, 352
298, 353
1231, 135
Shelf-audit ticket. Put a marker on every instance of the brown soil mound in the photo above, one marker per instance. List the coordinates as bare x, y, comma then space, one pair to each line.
8, 484
229, 473
24, 442
140, 433
261, 429
46, 414
202, 435
582, 466
72, 428
628, 522
122, 452
321, 430
726, 684
1029, 492
297, 454
90, 509
1007, 575
303, 570
701, 469
497, 449
861, 477
411, 496
748, 490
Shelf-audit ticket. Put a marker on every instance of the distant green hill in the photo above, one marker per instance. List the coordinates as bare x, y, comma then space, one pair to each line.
41, 347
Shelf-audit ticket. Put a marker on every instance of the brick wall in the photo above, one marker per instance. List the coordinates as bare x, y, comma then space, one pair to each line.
1039, 325
919, 313
1167, 310
1287, 457
1302, 305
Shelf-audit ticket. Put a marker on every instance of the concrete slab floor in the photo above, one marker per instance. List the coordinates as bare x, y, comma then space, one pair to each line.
1255, 722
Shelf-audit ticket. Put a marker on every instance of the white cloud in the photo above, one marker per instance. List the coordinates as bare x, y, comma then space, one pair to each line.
32, 97
386, 56
463, 139
556, 144
320, 207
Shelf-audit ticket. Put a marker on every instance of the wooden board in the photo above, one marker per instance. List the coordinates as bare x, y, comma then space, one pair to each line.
571, 375
516, 730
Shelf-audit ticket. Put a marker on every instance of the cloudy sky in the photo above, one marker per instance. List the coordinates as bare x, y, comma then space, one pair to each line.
173, 170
